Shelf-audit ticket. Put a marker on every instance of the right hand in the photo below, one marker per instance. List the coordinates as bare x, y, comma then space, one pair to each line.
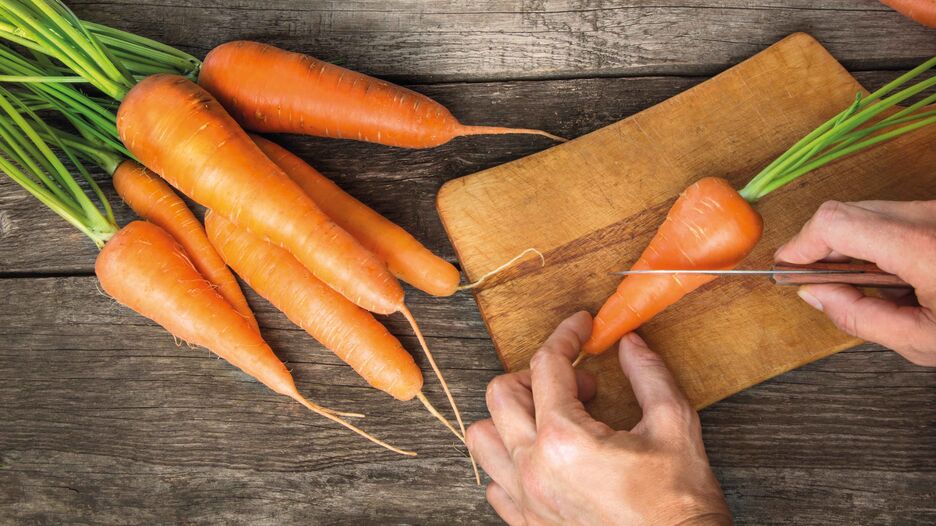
900, 238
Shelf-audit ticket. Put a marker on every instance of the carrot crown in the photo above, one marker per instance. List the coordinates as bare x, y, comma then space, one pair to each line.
850, 131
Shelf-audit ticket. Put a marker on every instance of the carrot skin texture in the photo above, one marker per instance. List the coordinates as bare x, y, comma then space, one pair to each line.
152, 199
407, 258
710, 226
144, 268
346, 329
178, 130
922, 11
271, 90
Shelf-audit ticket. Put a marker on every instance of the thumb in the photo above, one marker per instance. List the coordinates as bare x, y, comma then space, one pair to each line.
656, 390
905, 329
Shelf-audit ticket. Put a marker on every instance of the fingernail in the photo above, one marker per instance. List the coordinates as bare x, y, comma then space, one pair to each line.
810, 299
634, 339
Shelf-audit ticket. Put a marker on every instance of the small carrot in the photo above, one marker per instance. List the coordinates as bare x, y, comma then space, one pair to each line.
406, 257
268, 89
349, 331
710, 226
152, 199
179, 131
922, 11
144, 268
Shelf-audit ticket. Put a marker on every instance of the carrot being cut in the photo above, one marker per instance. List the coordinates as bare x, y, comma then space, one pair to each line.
922, 11
712, 226
709, 227
406, 257
179, 131
349, 331
152, 199
144, 268
268, 89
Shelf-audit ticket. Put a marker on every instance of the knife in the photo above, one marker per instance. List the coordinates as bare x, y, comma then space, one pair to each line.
859, 274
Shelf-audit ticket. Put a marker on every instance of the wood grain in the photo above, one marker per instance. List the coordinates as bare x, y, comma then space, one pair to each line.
449, 40
592, 205
105, 420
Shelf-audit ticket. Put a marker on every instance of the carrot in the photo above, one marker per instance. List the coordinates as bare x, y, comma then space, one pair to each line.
923, 11
144, 268
347, 330
709, 227
269, 90
406, 257
179, 131
152, 199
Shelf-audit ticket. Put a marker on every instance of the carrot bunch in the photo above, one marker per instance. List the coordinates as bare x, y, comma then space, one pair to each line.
322, 257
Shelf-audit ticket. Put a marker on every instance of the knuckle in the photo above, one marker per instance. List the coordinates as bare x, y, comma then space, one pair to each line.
830, 211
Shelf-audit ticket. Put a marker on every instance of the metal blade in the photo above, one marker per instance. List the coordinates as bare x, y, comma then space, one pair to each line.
736, 272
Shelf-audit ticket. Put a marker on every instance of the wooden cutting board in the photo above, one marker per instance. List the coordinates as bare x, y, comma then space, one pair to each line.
592, 204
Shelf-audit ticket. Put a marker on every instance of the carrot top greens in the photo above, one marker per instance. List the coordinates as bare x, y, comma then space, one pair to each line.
843, 134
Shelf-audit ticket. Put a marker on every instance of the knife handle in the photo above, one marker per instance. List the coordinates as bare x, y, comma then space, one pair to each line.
868, 275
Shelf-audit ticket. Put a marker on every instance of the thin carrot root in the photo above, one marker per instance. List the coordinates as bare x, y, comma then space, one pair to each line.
435, 368
518, 257
344, 414
580, 358
497, 130
435, 412
315, 408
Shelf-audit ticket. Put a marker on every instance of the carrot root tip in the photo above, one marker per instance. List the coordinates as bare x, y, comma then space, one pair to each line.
435, 412
319, 410
580, 358
477, 283
499, 130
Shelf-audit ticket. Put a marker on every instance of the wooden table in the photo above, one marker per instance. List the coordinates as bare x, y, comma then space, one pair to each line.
103, 419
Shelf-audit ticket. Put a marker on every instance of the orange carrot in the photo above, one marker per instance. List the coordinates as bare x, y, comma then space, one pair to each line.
152, 199
349, 331
144, 268
268, 89
346, 329
406, 257
709, 227
179, 131
923, 11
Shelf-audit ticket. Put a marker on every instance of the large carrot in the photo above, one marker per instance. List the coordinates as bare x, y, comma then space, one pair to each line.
349, 331
144, 268
346, 329
179, 131
152, 199
709, 227
271, 90
923, 11
406, 257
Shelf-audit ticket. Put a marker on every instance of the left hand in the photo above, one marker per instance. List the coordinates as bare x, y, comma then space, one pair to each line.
552, 463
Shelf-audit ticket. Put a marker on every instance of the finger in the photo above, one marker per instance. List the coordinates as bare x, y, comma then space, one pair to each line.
909, 211
654, 387
510, 403
504, 505
907, 330
488, 449
554, 382
863, 234
587, 385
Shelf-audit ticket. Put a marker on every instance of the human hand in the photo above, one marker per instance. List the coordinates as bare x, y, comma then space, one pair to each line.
552, 463
900, 237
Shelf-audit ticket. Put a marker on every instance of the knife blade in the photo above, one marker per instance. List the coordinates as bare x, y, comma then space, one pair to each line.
859, 274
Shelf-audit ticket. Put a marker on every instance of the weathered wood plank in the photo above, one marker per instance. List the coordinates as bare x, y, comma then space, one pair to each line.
509, 39
400, 184
105, 420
